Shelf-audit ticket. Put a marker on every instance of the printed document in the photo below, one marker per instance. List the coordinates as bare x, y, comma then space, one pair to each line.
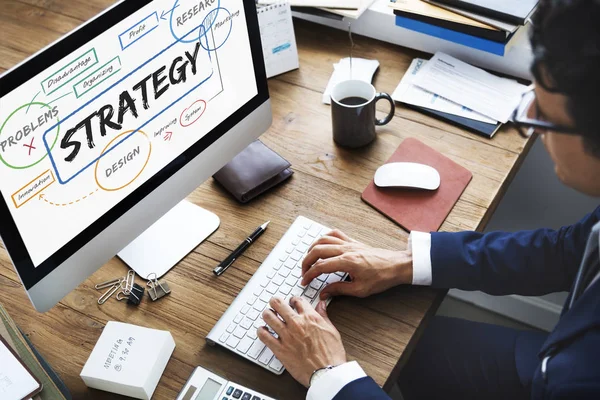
15, 381
471, 87
408, 93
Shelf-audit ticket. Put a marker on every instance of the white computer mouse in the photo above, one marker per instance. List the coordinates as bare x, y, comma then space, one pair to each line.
407, 175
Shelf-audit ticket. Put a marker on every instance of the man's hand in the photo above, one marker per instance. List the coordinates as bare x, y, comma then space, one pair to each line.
371, 270
307, 340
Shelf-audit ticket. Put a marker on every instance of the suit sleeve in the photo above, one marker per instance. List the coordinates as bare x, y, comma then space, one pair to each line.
530, 263
363, 389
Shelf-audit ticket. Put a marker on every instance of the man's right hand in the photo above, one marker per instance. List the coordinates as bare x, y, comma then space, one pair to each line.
371, 270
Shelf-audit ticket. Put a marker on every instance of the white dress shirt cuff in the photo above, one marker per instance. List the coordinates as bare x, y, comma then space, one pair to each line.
329, 384
420, 243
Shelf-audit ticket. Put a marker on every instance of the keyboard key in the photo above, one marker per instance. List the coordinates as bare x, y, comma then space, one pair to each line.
266, 297
284, 272
253, 314
276, 365
307, 224
308, 240
230, 390
297, 272
310, 293
258, 291
265, 282
285, 289
239, 332
283, 257
233, 341
340, 274
314, 231
260, 305
278, 280
296, 291
333, 278
252, 333
289, 249
256, 348
247, 323
302, 248
245, 309
259, 323
302, 233
278, 266
272, 288
291, 280
251, 300
323, 277
247, 396
244, 345
316, 284
237, 394
231, 327
266, 356
224, 337
290, 264
296, 255
296, 241
300, 285
270, 275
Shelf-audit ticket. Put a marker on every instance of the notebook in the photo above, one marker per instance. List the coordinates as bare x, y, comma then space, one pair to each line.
16, 380
278, 40
420, 210
512, 11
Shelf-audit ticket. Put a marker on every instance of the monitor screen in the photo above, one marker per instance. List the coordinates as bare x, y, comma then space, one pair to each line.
95, 122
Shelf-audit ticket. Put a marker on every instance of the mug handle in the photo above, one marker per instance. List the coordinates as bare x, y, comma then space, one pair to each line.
386, 120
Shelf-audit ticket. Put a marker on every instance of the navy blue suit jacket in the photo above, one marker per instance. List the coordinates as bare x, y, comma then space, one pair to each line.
530, 263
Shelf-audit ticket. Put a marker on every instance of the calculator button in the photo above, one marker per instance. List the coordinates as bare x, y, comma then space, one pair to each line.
225, 398
255, 398
237, 394
230, 390
247, 396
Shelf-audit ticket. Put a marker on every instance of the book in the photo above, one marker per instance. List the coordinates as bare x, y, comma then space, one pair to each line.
496, 23
53, 387
512, 11
421, 210
450, 35
431, 14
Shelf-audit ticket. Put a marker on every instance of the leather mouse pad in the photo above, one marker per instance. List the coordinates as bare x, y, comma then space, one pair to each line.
416, 209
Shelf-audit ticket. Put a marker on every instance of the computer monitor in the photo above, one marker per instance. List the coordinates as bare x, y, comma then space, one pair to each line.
107, 129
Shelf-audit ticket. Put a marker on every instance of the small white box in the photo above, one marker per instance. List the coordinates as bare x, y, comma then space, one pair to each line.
128, 360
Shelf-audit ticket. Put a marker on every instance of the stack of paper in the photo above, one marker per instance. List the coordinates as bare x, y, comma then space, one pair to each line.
340, 8
447, 85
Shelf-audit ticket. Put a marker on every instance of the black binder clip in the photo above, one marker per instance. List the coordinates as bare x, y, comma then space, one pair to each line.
135, 297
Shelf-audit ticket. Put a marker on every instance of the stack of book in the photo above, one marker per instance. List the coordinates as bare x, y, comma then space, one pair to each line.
487, 25
53, 387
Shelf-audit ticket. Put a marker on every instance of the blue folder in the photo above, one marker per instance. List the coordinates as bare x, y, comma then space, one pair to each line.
452, 36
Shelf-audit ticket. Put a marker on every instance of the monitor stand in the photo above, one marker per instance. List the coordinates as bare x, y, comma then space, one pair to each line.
160, 247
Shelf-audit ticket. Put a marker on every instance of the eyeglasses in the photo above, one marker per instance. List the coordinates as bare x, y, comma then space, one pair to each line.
525, 117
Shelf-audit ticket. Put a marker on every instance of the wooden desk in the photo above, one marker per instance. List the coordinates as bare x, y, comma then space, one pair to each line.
326, 186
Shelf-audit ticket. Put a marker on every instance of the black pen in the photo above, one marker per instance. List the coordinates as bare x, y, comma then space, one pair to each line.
226, 263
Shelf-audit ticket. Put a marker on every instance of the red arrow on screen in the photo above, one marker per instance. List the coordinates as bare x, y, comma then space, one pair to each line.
168, 136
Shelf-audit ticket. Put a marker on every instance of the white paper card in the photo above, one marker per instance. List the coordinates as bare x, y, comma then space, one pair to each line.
345, 4
278, 39
361, 69
470, 86
128, 360
15, 381
408, 93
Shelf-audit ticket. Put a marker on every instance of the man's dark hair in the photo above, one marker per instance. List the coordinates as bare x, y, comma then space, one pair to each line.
566, 41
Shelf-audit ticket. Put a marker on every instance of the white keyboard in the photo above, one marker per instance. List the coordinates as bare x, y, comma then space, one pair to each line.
279, 275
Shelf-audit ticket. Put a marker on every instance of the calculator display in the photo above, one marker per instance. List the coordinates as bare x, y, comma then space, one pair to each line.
209, 390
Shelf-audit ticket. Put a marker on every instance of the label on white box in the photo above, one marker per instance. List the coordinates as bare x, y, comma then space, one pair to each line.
128, 360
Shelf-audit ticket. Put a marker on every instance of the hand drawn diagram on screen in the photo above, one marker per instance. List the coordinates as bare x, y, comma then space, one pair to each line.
79, 137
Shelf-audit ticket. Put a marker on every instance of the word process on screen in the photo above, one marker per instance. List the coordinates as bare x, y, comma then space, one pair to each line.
79, 137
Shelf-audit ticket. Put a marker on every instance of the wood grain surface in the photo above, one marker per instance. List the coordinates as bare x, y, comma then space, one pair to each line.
378, 332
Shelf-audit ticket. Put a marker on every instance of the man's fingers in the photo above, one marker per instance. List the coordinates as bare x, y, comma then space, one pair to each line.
322, 310
282, 308
322, 251
326, 240
339, 289
269, 340
334, 264
273, 321
300, 304
339, 234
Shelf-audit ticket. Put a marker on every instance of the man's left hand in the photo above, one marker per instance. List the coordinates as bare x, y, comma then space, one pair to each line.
307, 340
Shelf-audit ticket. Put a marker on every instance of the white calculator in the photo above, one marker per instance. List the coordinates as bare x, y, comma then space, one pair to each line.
204, 385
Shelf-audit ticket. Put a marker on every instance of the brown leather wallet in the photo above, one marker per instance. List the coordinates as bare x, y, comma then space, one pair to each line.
252, 172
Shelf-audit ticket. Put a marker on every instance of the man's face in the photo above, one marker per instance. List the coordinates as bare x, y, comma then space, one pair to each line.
573, 165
